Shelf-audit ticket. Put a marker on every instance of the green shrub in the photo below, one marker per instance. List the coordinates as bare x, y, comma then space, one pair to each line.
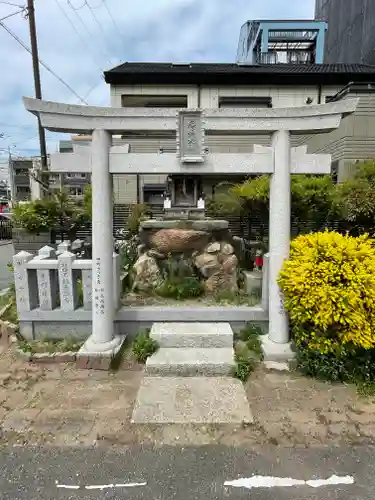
353, 366
143, 347
329, 289
138, 213
184, 288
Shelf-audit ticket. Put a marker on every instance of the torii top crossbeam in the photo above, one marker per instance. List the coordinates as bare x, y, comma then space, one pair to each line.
72, 118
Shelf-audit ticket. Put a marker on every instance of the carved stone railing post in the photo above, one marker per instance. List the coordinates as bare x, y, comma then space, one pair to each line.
25, 283
67, 282
48, 287
64, 246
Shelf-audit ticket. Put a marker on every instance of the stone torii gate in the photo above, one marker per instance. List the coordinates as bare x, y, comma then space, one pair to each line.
102, 159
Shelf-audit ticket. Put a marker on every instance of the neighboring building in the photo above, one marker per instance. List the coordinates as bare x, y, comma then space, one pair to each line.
217, 86
273, 42
355, 138
351, 30
4, 190
19, 179
72, 182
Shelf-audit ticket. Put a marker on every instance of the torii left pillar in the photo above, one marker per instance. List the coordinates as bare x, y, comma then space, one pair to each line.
103, 340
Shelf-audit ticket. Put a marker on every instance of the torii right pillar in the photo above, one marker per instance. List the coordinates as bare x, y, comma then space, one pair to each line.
287, 161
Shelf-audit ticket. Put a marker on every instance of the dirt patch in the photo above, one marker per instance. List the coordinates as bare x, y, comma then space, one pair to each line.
60, 405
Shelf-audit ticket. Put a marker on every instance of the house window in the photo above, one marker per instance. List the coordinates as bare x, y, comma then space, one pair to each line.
154, 101
335, 171
245, 102
54, 178
23, 190
75, 175
153, 194
76, 191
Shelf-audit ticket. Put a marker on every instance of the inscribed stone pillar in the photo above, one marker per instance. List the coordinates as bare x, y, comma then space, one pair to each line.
47, 281
67, 282
102, 242
279, 233
25, 283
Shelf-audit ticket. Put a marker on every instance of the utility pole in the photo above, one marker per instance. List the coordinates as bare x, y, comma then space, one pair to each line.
38, 89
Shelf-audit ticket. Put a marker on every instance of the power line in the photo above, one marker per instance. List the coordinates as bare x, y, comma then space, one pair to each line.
13, 14
93, 87
75, 10
13, 35
98, 23
12, 4
104, 2
78, 34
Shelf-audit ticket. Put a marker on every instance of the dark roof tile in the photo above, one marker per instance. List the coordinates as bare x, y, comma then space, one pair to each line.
222, 73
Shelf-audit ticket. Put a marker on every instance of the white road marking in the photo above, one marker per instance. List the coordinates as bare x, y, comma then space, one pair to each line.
108, 486
67, 486
282, 482
98, 486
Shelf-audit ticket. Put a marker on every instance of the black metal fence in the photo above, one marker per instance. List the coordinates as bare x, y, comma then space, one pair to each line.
5, 229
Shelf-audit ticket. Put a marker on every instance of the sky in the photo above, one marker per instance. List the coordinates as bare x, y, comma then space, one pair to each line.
78, 39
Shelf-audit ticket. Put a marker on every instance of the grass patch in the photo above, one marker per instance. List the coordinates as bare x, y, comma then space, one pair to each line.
238, 298
144, 346
180, 289
8, 308
366, 389
50, 345
248, 351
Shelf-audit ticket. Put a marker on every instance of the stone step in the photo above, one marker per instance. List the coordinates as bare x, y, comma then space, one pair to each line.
192, 335
190, 362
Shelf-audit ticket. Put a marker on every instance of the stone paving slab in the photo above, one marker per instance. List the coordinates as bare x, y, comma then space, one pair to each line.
181, 400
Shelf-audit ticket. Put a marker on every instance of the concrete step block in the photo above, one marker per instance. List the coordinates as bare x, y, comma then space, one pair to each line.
192, 335
188, 362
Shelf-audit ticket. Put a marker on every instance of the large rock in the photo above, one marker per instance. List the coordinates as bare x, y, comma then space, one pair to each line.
224, 279
147, 274
218, 265
207, 264
178, 240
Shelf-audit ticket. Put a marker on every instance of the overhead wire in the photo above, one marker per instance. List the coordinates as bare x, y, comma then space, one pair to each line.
76, 11
104, 2
13, 35
13, 14
88, 48
98, 23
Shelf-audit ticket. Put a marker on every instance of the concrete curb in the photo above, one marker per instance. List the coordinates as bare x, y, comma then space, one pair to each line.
47, 357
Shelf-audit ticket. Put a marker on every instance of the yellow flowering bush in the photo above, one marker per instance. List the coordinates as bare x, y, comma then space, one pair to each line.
329, 288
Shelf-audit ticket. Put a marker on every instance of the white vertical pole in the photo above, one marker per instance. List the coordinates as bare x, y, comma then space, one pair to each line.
279, 233
102, 242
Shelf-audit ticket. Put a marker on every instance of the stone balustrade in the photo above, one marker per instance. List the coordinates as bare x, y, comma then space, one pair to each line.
58, 280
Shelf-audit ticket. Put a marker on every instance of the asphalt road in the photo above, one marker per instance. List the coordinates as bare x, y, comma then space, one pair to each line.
6, 256
183, 474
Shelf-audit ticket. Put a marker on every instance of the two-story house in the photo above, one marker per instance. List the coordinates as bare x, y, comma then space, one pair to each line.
216, 86
167, 85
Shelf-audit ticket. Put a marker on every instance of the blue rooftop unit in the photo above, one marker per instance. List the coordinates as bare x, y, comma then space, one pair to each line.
275, 42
